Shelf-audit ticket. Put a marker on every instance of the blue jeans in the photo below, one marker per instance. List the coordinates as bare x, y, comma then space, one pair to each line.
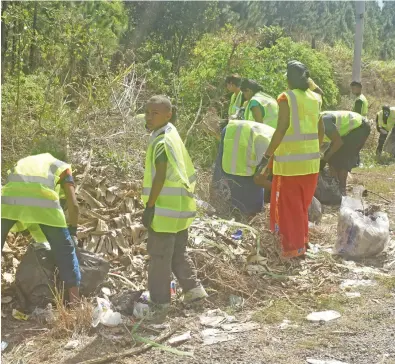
62, 247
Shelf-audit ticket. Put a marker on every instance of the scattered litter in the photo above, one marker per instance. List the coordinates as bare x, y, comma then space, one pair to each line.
8, 277
44, 315
177, 340
173, 288
72, 344
141, 310
323, 316
328, 190
19, 315
104, 314
214, 318
4, 345
123, 301
236, 302
361, 232
237, 235
325, 361
3, 314
240, 327
353, 294
213, 336
286, 324
6, 299
348, 283
107, 291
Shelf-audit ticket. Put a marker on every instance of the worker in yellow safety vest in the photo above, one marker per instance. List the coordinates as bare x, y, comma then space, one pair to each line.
243, 144
360, 105
168, 194
261, 107
385, 123
30, 200
233, 83
347, 132
295, 149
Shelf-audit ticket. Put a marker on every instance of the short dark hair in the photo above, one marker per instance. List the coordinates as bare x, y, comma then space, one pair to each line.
164, 100
298, 75
251, 84
234, 79
356, 83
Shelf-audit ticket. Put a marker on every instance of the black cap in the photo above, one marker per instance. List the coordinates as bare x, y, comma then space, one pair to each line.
296, 68
356, 83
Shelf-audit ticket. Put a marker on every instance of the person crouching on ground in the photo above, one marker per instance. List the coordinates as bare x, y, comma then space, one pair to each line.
347, 131
31, 200
170, 207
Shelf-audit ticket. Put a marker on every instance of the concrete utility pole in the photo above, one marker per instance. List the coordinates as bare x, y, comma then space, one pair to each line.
358, 40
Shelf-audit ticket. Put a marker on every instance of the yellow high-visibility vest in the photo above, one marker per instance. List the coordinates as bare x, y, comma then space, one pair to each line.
269, 105
245, 143
346, 121
390, 121
31, 195
235, 103
364, 110
299, 152
175, 207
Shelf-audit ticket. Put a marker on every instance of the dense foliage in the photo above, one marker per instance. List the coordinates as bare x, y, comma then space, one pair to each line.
65, 64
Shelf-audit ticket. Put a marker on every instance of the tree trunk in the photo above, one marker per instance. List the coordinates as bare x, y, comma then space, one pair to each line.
4, 42
33, 47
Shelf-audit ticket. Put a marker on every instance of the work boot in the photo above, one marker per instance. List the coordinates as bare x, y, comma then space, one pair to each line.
195, 294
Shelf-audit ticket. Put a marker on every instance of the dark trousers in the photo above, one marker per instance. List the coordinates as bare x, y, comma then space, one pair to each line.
62, 247
168, 254
382, 139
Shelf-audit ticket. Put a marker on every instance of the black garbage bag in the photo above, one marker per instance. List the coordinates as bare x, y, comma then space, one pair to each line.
328, 189
315, 211
36, 275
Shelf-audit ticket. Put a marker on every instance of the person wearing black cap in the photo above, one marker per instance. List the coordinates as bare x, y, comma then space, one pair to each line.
295, 152
385, 123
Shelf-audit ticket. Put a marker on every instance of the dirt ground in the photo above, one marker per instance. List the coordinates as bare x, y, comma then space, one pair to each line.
365, 332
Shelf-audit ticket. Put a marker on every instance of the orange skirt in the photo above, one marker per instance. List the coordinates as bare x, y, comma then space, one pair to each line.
291, 197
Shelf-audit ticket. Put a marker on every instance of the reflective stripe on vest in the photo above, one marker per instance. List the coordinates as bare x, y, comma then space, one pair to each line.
160, 211
297, 135
30, 201
235, 149
169, 191
49, 181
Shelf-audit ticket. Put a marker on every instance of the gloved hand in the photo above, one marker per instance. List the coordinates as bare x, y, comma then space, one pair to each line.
148, 216
263, 164
322, 164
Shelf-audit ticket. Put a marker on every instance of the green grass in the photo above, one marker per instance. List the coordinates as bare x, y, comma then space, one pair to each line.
386, 281
278, 311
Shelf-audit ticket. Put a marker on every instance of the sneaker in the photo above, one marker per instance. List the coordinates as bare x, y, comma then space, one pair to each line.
195, 294
151, 312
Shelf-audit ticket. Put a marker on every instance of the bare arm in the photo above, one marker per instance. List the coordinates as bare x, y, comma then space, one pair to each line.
257, 114
157, 183
319, 91
336, 143
72, 204
282, 127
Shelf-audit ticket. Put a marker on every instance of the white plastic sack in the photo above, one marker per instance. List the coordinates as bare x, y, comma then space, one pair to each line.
104, 314
360, 236
315, 211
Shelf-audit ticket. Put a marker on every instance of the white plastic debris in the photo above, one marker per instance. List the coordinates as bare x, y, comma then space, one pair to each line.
104, 314
240, 327
286, 324
4, 345
43, 314
106, 291
353, 294
141, 310
177, 340
323, 316
325, 361
214, 318
360, 235
348, 283
212, 336
236, 302
72, 344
